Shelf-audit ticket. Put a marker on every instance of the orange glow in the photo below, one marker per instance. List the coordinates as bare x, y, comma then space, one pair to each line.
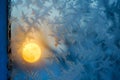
31, 52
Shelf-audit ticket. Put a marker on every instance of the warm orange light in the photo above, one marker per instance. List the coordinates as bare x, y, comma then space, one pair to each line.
31, 52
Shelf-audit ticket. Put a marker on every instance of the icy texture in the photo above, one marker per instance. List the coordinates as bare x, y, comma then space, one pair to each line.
87, 34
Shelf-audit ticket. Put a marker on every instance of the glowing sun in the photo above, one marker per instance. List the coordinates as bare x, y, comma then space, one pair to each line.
31, 52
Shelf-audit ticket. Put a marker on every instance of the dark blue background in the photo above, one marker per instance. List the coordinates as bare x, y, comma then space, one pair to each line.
3, 40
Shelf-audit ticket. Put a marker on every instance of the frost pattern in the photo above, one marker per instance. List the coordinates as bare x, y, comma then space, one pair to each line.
86, 33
